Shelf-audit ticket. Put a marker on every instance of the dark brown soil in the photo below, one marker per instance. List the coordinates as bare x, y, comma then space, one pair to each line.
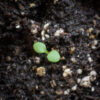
80, 20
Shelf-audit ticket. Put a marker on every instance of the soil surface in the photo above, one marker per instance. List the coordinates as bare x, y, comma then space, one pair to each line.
70, 26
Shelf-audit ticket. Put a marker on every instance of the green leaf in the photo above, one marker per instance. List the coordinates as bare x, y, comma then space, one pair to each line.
53, 56
39, 47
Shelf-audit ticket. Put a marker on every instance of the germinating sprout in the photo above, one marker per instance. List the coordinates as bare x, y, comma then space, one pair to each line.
52, 56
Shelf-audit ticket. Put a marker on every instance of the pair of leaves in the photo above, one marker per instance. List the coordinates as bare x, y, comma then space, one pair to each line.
52, 56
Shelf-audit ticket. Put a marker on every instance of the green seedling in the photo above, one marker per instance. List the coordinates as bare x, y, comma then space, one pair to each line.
52, 56
39, 47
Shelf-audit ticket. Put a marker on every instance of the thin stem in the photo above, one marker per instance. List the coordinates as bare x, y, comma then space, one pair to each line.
46, 51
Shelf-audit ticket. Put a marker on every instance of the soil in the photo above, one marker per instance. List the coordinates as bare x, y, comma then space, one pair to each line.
70, 26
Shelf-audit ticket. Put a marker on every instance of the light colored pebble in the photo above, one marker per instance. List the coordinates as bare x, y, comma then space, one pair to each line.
72, 49
47, 36
8, 58
43, 33
78, 80
82, 29
74, 88
95, 42
55, 1
40, 71
29, 61
66, 92
37, 60
78, 56
93, 47
85, 82
59, 92
42, 92
64, 67
88, 55
73, 59
62, 58
18, 26
90, 59
90, 30
97, 83
34, 27
53, 83
34, 31
43, 38
92, 36
32, 21
22, 13
32, 5
58, 32
93, 75
48, 30
97, 16
94, 22
92, 89
36, 87
67, 72
79, 71
46, 26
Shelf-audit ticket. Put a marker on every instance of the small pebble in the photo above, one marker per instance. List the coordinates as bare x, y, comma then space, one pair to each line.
93, 47
66, 92
78, 80
58, 32
40, 71
43, 33
74, 88
85, 82
95, 42
94, 22
62, 58
55, 1
64, 67
67, 72
92, 89
73, 59
36, 87
37, 60
82, 29
42, 92
79, 71
22, 13
92, 36
90, 59
53, 83
32, 5
47, 36
46, 26
8, 58
93, 75
29, 61
90, 30
18, 26
59, 92
88, 55
43, 38
72, 49
34, 27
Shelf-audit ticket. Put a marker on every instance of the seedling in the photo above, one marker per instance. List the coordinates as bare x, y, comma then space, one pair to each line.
39, 47
52, 56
